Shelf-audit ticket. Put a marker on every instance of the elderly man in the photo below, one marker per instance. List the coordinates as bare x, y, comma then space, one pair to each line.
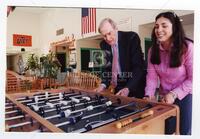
126, 71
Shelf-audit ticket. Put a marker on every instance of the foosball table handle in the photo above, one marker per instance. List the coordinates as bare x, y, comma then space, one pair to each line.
129, 121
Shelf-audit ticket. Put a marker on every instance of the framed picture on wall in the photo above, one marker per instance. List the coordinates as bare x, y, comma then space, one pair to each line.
72, 58
97, 58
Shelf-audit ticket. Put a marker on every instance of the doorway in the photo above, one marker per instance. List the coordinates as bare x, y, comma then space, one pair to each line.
10, 62
62, 59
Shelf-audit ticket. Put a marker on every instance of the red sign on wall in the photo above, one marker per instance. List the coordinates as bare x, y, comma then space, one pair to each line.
22, 40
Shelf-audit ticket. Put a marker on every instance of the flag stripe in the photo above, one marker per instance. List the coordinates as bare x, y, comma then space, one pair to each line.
88, 20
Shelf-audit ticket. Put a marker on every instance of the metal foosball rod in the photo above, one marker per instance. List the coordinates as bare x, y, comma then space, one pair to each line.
14, 117
52, 105
10, 127
15, 111
29, 97
55, 99
31, 122
68, 112
10, 106
45, 97
95, 114
93, 125
58, 115
37, 107
90, 127
42, 111
8, 103
18, 116
10, 112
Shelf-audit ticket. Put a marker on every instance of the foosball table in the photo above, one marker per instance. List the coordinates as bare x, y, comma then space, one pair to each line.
79, 111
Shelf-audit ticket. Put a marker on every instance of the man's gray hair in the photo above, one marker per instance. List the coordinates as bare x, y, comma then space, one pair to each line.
109, 20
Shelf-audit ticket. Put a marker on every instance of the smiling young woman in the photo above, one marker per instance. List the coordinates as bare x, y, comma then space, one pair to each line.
170, 61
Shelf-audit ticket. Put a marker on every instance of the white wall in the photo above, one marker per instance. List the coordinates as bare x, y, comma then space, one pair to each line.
144, 32
25, 24
189, 31
55, 19
42, 27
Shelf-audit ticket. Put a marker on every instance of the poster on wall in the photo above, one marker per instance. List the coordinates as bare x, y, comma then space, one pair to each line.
22, 40
72, 58
97, 58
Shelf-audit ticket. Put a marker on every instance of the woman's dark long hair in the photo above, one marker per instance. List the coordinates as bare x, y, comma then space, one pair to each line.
178, 40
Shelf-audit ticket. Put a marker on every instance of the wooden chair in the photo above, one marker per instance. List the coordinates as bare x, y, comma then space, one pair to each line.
16, 82
85, 80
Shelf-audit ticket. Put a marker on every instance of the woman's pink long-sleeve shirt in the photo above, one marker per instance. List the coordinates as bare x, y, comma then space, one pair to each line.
177, 80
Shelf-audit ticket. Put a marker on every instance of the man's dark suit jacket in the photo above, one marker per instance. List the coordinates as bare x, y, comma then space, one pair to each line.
131, 63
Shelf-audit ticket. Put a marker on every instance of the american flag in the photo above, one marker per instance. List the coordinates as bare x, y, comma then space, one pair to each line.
88, 20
